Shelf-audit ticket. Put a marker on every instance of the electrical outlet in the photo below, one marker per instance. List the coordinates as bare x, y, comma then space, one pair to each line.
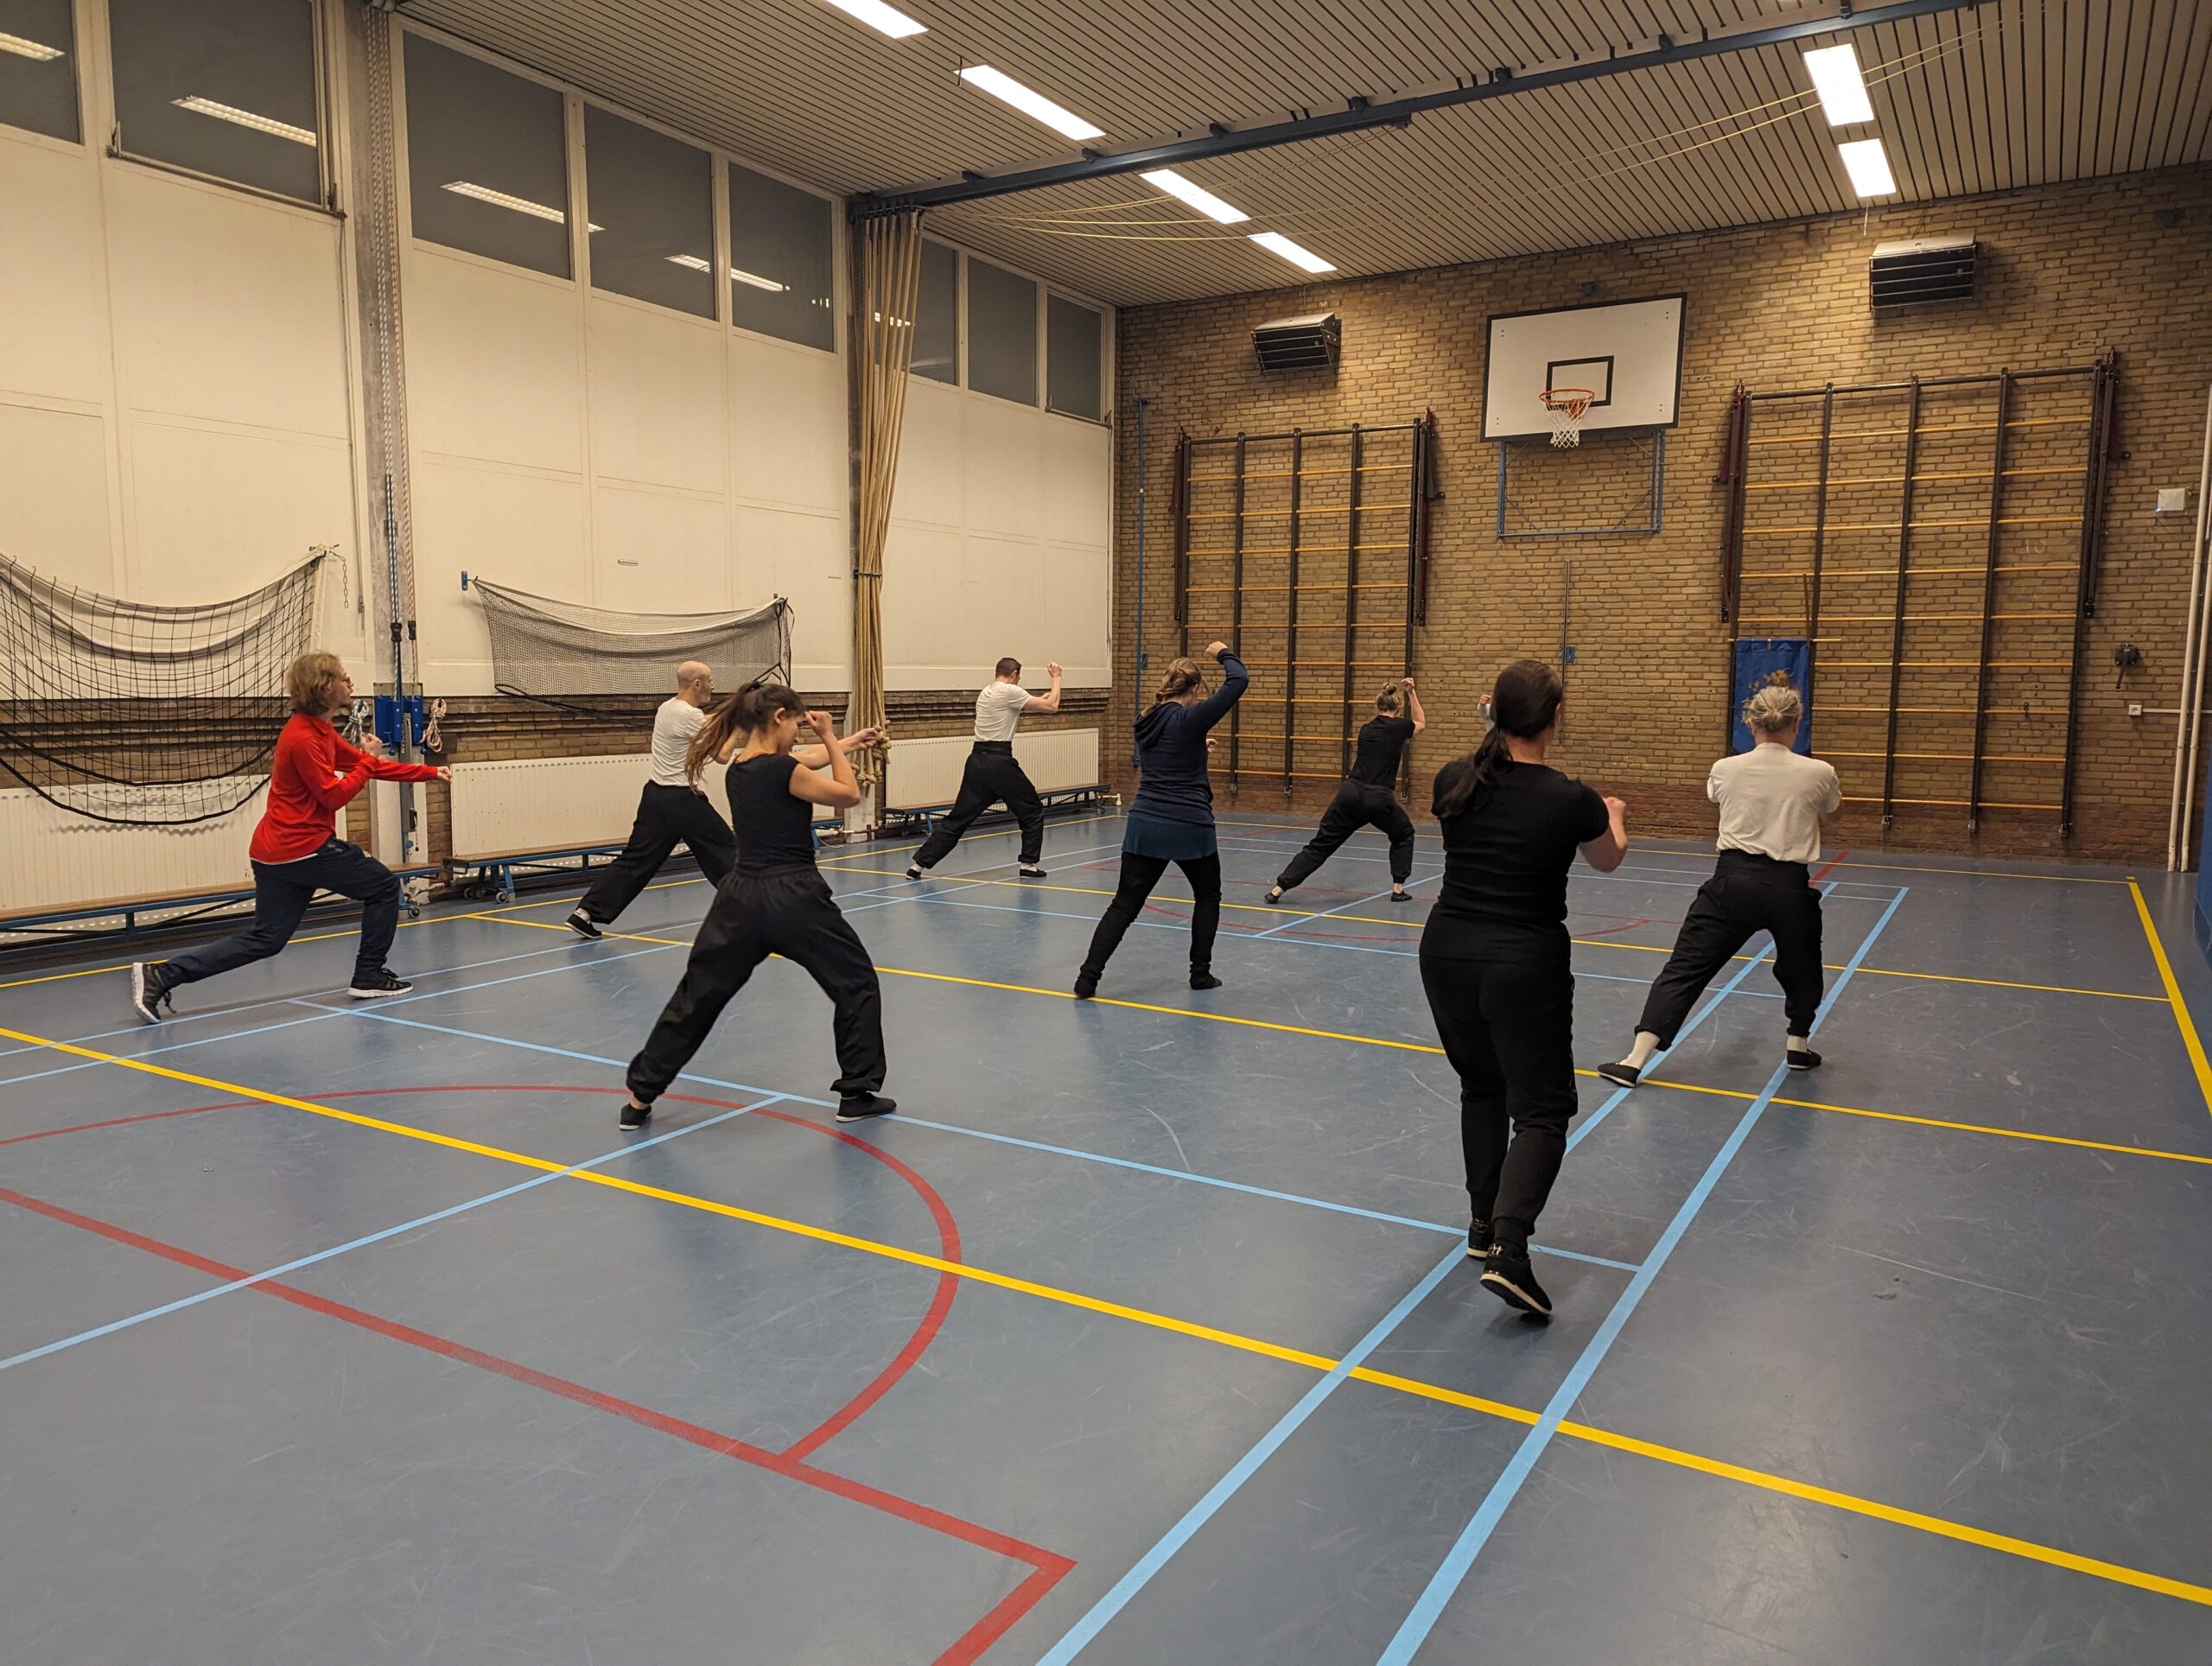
2135, 709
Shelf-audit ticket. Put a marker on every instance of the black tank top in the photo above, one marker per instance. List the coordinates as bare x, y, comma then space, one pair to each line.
774, 828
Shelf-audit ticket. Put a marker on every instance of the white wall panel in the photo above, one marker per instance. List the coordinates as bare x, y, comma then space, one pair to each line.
1078, 603
1006, 601
788, 440
218, 511
53, 301
932, 450
1078, 482
525, 530
54, 496
1005, 464
656, 398
926, 628
494, 363
806, 558
659, 552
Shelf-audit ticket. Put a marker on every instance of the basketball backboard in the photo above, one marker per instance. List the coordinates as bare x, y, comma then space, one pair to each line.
1627, 354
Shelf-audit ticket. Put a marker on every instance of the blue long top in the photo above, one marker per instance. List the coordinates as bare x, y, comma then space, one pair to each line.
1171, 750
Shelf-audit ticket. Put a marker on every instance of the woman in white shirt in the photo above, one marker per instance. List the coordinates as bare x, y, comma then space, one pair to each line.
1772, 802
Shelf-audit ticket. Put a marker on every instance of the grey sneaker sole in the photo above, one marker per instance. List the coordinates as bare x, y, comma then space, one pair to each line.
1514, 1295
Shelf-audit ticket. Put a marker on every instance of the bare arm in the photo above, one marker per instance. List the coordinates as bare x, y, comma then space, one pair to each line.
1412, 707
1046, 702
841, 790
1604, 852
818, 757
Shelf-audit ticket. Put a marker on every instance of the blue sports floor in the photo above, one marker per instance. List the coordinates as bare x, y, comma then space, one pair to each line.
1143, 1334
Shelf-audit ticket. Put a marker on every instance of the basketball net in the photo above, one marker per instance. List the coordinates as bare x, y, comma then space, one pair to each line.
1567, 407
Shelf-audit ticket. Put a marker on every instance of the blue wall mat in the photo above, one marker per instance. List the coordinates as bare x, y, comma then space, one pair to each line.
1756, 658
2204, 881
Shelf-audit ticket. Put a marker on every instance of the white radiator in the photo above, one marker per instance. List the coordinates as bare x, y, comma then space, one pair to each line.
54, 860
926, 774
558, 804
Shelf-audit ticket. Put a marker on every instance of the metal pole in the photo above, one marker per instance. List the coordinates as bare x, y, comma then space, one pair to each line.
1237, 614
2192, 689
1896, 628
1290, 657
1136, 688
1352, 597
1989, 596
2102, 381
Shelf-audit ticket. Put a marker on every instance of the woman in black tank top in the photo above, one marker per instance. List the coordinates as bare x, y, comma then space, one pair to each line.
774, 902
1368, 797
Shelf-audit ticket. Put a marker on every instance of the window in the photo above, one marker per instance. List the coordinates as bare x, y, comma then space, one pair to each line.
1001, 333
1072, 338
936, 316
487, 160
652, 214
38, 68
223, 87
779, 263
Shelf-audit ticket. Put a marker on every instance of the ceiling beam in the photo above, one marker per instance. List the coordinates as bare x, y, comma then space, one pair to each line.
1221, 141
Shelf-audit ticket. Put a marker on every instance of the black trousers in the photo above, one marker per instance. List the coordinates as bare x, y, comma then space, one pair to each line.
1747, 894
1508, 1027
667, 817
1356, 805
994, 775
282, 892
786, 911
1139, 875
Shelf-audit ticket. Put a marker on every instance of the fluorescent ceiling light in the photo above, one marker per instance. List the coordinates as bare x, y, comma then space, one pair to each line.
501, 199
223, 112
692, 261
1276, 243
1168, 180
1033, 105
31, 50
1835, 77
758, 283
879, 17
1869, 168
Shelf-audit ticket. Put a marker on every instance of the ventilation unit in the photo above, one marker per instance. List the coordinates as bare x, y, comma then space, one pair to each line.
1919, 269
1309, 343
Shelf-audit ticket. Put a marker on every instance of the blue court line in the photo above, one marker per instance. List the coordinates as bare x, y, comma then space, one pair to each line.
1080, 1634
1414, 1630
1341, 906
1622, 875
247, 1282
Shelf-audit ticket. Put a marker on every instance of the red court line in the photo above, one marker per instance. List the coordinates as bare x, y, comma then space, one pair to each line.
1832, 866
125, 1121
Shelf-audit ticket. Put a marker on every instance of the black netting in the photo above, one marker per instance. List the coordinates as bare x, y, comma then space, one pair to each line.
125, 712
563, 652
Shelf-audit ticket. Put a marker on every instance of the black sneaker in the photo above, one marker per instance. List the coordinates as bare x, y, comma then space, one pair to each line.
1478, 1239
1205, 981
1621, 1073
1085, 986
584, 925
634, 1117
1509, 1275
386, 982
1273, 897
1402, 896
1803, 1059
149, 990
914, 870
859, 1107
1030, 870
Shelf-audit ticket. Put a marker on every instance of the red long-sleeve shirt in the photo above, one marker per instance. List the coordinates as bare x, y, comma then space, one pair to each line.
314, 775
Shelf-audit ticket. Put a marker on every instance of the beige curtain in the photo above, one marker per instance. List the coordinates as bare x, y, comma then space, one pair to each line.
887, 261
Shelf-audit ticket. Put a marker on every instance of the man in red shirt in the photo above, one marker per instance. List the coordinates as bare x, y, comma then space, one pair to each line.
297, 850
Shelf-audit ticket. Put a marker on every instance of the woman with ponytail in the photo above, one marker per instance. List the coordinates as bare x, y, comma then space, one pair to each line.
1494, 961
1772, 802
1171, 818
774, 901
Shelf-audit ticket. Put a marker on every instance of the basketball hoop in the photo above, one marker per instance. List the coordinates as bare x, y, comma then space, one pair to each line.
1567, 407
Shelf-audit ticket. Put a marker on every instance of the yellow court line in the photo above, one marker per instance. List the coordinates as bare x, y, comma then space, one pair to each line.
1674, 1456
2175, 997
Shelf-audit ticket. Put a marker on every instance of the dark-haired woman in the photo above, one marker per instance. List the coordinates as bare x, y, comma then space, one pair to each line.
1172, 818
1368, 795
1495, 963
774, 901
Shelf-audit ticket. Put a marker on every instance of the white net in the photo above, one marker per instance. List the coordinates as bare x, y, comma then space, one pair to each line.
561, 653
1566, 408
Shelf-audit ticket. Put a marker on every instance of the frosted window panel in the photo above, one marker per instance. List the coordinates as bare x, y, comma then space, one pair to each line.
937, 317
38, 78
1073, 370
487, 160
780, 280
652, 214
1001, 333
225, 87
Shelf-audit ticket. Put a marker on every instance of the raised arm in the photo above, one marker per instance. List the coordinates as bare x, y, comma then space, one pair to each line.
1235, 679
1046, 702
1413, 706
841, 790
818, 757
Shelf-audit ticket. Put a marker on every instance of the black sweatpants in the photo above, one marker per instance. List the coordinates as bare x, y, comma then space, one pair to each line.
1139, 875
994, 775
667, 817
786, 911
1508, 1027
281, 891
1747, 894
1356, 805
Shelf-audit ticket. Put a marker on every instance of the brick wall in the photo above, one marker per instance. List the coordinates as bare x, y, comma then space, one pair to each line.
2067, 272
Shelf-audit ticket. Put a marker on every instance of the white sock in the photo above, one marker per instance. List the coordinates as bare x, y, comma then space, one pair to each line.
1640, 1054
1800, 1044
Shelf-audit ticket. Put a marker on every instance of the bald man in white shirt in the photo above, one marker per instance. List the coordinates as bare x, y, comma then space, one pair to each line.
995, 775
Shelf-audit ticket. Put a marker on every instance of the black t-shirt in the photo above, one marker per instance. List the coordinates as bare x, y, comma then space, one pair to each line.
1381, 744
772, 827
1506, 856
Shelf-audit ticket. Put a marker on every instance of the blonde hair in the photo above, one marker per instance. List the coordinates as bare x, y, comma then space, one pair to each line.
1775, 707
311, 684
1392, 699
1182, 676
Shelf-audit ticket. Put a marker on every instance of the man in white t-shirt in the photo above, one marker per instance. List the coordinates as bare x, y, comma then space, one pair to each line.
994, 775
670, 811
